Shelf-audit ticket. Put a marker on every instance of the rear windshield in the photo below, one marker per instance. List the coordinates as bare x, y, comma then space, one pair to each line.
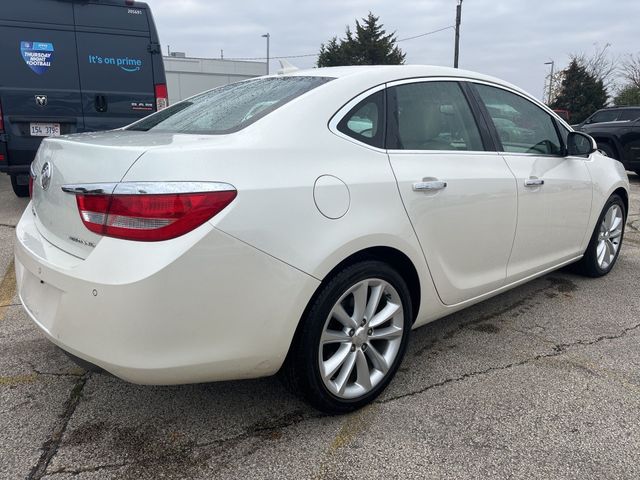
229, 108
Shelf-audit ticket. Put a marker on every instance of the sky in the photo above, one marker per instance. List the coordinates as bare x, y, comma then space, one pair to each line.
509, 39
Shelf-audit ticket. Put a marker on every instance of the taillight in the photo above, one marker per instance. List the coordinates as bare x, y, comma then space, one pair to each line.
1, 119
32, 178
151, 217
162, 96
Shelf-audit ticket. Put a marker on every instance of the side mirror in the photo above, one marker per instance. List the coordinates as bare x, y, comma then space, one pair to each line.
580, 144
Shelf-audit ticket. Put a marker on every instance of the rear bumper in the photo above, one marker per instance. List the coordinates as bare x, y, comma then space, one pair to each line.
202, 307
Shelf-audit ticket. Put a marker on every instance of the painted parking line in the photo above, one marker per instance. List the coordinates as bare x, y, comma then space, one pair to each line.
8, 286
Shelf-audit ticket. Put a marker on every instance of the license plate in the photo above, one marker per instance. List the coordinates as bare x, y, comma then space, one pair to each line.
45, 129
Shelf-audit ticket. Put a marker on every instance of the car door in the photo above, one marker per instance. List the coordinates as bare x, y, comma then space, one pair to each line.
460, 196
554, 190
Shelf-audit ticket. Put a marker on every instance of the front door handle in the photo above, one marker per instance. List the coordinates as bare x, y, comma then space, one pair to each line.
533, 182
429, 185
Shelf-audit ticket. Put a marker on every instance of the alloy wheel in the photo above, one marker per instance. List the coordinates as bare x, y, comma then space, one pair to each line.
361, 338
609, 236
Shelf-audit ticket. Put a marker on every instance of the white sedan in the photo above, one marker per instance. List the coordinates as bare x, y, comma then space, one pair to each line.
306, 222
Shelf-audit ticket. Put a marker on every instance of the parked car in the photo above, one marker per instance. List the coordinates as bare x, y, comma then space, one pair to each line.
73, 66
611, 114
617, 132
299, 239
563, 114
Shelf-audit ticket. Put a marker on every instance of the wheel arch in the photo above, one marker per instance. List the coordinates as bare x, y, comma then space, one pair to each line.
611, 141
622, 193
389, 255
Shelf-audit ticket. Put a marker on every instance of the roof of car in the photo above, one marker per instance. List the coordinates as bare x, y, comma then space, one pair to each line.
626, 107
388, 73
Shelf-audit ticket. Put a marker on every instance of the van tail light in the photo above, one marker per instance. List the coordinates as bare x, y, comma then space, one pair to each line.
162, 96
149, 212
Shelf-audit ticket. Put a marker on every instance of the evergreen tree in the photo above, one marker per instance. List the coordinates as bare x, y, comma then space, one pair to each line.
581, 92
628, 96
371, 45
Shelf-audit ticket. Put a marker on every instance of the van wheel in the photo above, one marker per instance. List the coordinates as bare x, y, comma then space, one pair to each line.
19, 190
352, 339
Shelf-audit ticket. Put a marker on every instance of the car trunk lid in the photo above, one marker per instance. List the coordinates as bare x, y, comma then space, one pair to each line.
96, 158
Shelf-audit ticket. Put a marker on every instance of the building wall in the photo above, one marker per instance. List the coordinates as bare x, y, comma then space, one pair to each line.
188, 76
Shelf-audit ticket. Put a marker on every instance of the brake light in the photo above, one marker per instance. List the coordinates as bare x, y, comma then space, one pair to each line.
32, 178
150, 217
162, 96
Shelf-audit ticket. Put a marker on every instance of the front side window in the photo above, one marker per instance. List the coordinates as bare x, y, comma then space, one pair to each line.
522, 126
604, 116
229, 108
431, 116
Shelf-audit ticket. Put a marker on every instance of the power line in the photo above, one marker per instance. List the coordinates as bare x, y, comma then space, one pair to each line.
315, 54
425, 34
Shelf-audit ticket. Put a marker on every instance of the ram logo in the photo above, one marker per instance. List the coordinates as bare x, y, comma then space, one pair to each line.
41, 100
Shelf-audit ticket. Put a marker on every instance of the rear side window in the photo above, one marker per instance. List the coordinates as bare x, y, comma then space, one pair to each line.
522, 126
431, 116
229, 108
629, 114
365, 121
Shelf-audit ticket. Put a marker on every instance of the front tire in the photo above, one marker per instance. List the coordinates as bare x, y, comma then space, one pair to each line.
352, 339
606, 240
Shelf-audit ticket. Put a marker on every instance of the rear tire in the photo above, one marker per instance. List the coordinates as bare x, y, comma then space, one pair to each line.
19, 190
606, 240
340, 360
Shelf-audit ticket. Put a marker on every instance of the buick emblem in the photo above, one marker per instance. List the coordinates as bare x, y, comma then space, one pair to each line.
45, 176
41, 100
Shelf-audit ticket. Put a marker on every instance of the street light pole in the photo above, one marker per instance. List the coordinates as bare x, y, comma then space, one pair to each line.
267, 36
552, 63
458, 21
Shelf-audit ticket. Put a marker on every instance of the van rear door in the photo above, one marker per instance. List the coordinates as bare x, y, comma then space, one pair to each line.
39, 87
115, 61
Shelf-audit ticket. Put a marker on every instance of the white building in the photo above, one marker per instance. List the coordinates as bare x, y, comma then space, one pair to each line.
188, 76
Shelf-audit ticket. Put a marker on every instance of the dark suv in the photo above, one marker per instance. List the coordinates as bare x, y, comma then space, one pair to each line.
73, 66
617, 131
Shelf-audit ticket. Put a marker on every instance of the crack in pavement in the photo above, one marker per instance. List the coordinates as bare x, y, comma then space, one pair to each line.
257, 430
50, 447
261, 429
558, 349
7, 225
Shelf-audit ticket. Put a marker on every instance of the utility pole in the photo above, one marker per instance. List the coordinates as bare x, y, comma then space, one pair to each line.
456, 54
550, 92
267, 36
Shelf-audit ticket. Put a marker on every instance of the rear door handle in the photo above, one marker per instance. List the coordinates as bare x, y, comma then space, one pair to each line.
429, 185
533, 182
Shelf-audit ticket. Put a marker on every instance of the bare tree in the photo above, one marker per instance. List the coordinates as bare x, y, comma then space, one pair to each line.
631, 69
600, 64
554, 84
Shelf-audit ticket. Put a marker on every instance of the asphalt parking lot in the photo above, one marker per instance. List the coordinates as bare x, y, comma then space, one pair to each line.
540, 382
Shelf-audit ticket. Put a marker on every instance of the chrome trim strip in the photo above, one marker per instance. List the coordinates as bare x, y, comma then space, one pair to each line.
146, 188
156, 188
90, 188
